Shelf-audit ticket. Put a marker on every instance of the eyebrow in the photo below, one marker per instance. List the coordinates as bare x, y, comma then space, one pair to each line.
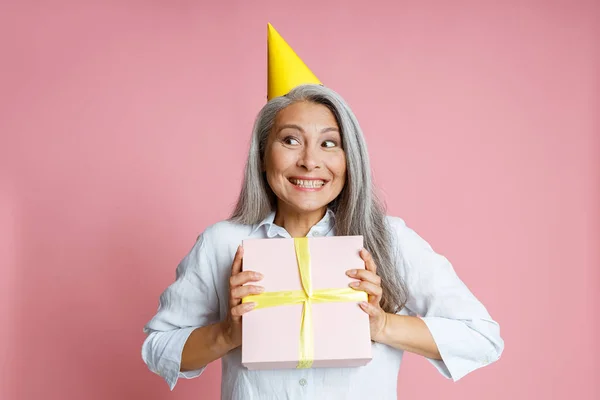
298, 127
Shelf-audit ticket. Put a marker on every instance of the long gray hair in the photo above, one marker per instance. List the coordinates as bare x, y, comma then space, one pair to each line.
357, 209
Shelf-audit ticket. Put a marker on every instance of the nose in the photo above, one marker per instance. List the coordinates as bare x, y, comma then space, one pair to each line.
309, 159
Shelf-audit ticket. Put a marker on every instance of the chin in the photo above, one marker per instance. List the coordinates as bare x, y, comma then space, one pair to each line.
306, 208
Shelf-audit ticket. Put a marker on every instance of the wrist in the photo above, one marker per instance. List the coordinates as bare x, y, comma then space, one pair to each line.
383, 333
225, 340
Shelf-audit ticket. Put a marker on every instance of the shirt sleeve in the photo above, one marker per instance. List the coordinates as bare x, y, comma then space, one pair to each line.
188, 303
466, 335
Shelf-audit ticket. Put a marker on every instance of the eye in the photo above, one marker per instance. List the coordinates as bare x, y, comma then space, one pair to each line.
290, 140
329, 144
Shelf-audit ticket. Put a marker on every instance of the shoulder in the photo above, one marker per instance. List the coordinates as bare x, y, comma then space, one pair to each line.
397, 227
216, 245
402, 236
225, 233
395, 223
227, 227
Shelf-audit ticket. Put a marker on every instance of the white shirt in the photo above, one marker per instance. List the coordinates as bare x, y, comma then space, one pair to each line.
464, 332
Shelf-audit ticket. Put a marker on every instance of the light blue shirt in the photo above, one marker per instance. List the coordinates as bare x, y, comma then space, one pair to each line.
463, 330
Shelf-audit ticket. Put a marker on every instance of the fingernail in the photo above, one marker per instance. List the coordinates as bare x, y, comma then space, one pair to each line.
364, 304
352, 272
260, 289
258, 275
250, 306
354, 284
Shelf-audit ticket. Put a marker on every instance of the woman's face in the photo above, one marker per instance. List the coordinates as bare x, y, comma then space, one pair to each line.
304, 160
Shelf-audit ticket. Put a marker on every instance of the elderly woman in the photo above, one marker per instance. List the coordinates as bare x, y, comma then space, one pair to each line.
308, 174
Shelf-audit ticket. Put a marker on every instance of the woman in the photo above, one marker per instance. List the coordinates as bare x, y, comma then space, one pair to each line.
308, 174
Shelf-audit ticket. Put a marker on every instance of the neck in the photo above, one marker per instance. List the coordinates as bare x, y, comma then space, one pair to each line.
295, 222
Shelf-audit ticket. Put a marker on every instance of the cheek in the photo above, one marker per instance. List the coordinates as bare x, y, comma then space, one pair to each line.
277, 161
339, 167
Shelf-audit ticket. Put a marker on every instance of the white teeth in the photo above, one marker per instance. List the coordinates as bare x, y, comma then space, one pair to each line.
310, 184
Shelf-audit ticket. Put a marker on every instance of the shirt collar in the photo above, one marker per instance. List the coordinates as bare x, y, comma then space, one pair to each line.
321, 228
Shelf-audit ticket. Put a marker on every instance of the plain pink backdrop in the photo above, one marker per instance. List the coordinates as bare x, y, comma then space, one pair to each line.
124, 129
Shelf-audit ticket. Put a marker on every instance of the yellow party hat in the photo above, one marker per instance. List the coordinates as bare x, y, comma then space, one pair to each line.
285, 70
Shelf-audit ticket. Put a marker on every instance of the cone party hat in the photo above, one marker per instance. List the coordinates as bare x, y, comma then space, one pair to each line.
285, 69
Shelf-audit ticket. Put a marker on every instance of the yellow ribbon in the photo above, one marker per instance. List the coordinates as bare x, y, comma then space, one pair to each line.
307, 297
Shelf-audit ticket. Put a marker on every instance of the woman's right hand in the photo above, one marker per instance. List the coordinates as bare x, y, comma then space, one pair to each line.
237, 290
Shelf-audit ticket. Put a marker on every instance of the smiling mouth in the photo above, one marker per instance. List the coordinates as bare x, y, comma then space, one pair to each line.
307, 184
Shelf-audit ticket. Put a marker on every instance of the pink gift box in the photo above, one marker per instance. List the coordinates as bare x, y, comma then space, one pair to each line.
270, 336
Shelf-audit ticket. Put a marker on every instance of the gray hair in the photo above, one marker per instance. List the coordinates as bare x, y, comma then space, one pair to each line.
357, 209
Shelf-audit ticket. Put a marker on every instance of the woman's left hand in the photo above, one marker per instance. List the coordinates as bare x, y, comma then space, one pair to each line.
370, 282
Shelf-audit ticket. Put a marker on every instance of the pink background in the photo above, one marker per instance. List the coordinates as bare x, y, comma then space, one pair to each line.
124, 129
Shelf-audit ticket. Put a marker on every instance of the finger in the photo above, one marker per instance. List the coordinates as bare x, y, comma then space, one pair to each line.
244, 277
368, 287
243, 291
368, 259
364, 275
242, 309
369, 308
236, 266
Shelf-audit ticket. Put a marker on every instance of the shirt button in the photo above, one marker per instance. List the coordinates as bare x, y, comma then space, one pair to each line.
316, 234
302, 382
